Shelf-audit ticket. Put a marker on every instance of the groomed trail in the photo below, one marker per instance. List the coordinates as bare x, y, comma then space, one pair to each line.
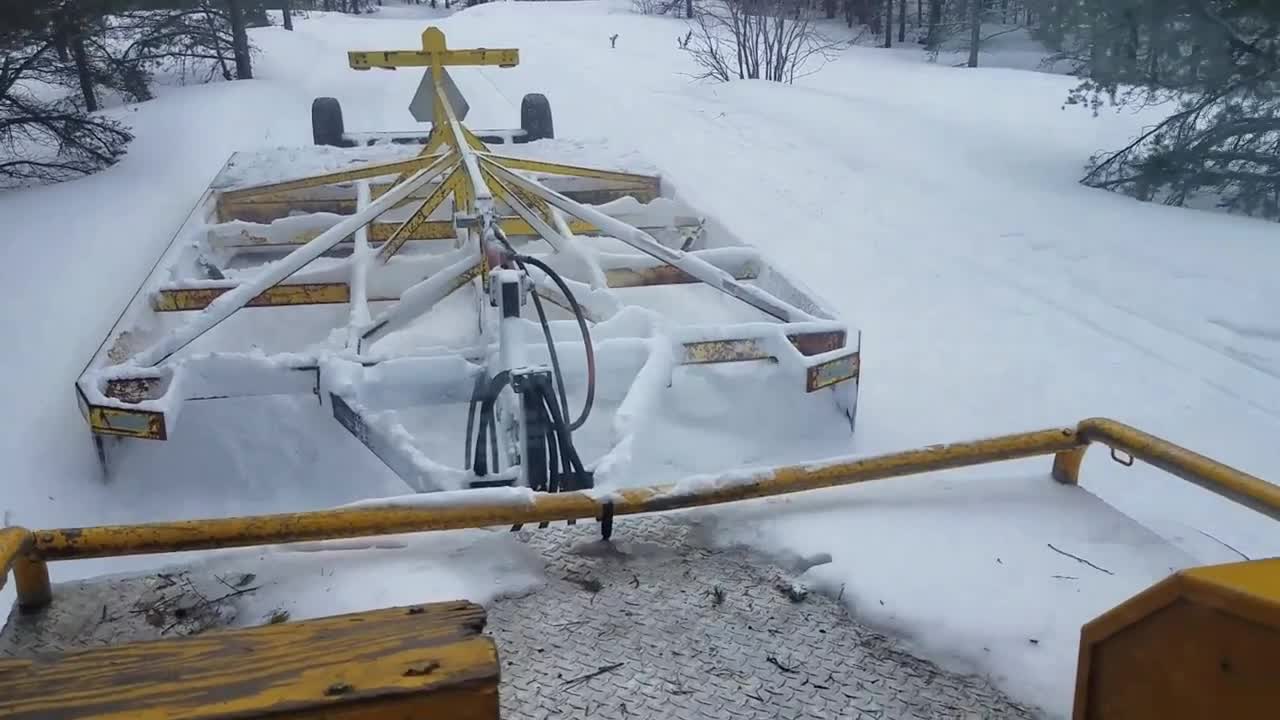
936, 208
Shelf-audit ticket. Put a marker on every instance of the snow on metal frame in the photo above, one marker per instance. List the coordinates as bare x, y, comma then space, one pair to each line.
354, 383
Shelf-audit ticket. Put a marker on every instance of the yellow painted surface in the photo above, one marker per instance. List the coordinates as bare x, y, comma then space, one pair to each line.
14, 542
393, 663
1066, 466
380, 232
451, 184
279, 191
31, 580
1250, 589
434, 52
176, 300
1248, 490
622, 178
362, 522
364, 60
1203, 643
143, 424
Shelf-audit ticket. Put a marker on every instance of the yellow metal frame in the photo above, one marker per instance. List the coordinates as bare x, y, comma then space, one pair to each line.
379, 232
434, 53
183, 299
1212, 607
29, 552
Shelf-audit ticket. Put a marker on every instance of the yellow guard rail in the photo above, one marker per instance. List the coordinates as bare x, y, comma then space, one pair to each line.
28, 552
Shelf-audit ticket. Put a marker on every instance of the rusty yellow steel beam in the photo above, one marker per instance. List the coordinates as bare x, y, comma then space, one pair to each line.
65, 544
364, 60
264, 211
379, 232
1240, 487
452, 184
663, 275
274, 191
543, 507
182, 299
706, 352
434, 53
531, 165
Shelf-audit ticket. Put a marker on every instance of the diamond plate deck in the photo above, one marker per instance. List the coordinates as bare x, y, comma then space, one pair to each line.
652, 625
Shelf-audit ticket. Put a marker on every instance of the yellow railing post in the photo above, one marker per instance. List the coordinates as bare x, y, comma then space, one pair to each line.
31, 579
14, 542
1066, 465
31, 575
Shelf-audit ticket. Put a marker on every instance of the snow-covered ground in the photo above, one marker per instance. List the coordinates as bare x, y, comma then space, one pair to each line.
936, 208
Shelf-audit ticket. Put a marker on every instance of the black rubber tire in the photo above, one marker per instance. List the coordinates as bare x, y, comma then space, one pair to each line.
326, 122
535, 117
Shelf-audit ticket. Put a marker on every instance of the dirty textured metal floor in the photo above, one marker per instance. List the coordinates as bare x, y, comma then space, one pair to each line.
654, 625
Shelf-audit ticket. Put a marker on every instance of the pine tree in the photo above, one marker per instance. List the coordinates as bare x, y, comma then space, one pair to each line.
1215, 62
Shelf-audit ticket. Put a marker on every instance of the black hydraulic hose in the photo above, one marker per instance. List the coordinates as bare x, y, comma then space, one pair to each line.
566, 443
551, 350
586, 340
487, 422
477, 394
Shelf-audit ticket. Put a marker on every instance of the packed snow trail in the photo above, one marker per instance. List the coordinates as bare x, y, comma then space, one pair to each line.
936, 208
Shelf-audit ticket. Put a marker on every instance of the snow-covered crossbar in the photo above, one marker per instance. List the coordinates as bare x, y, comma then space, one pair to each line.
378, 285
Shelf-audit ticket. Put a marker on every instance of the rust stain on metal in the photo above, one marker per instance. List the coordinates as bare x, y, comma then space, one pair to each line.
266, 211
817, 343
180, 299
135, 390
722, 351
662, 275
832, 372
637, 277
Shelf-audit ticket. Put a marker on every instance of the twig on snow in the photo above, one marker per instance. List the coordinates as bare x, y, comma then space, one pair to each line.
1079, 559
1223, 544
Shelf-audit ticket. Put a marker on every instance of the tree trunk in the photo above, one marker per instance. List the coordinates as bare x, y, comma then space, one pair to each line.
902, 21
60, 44
975, 31
82, 72
888, 23
688, 9
935, 20
240, 40
288, 14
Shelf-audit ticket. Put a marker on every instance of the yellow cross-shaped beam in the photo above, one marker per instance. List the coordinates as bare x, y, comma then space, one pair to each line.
433, 53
